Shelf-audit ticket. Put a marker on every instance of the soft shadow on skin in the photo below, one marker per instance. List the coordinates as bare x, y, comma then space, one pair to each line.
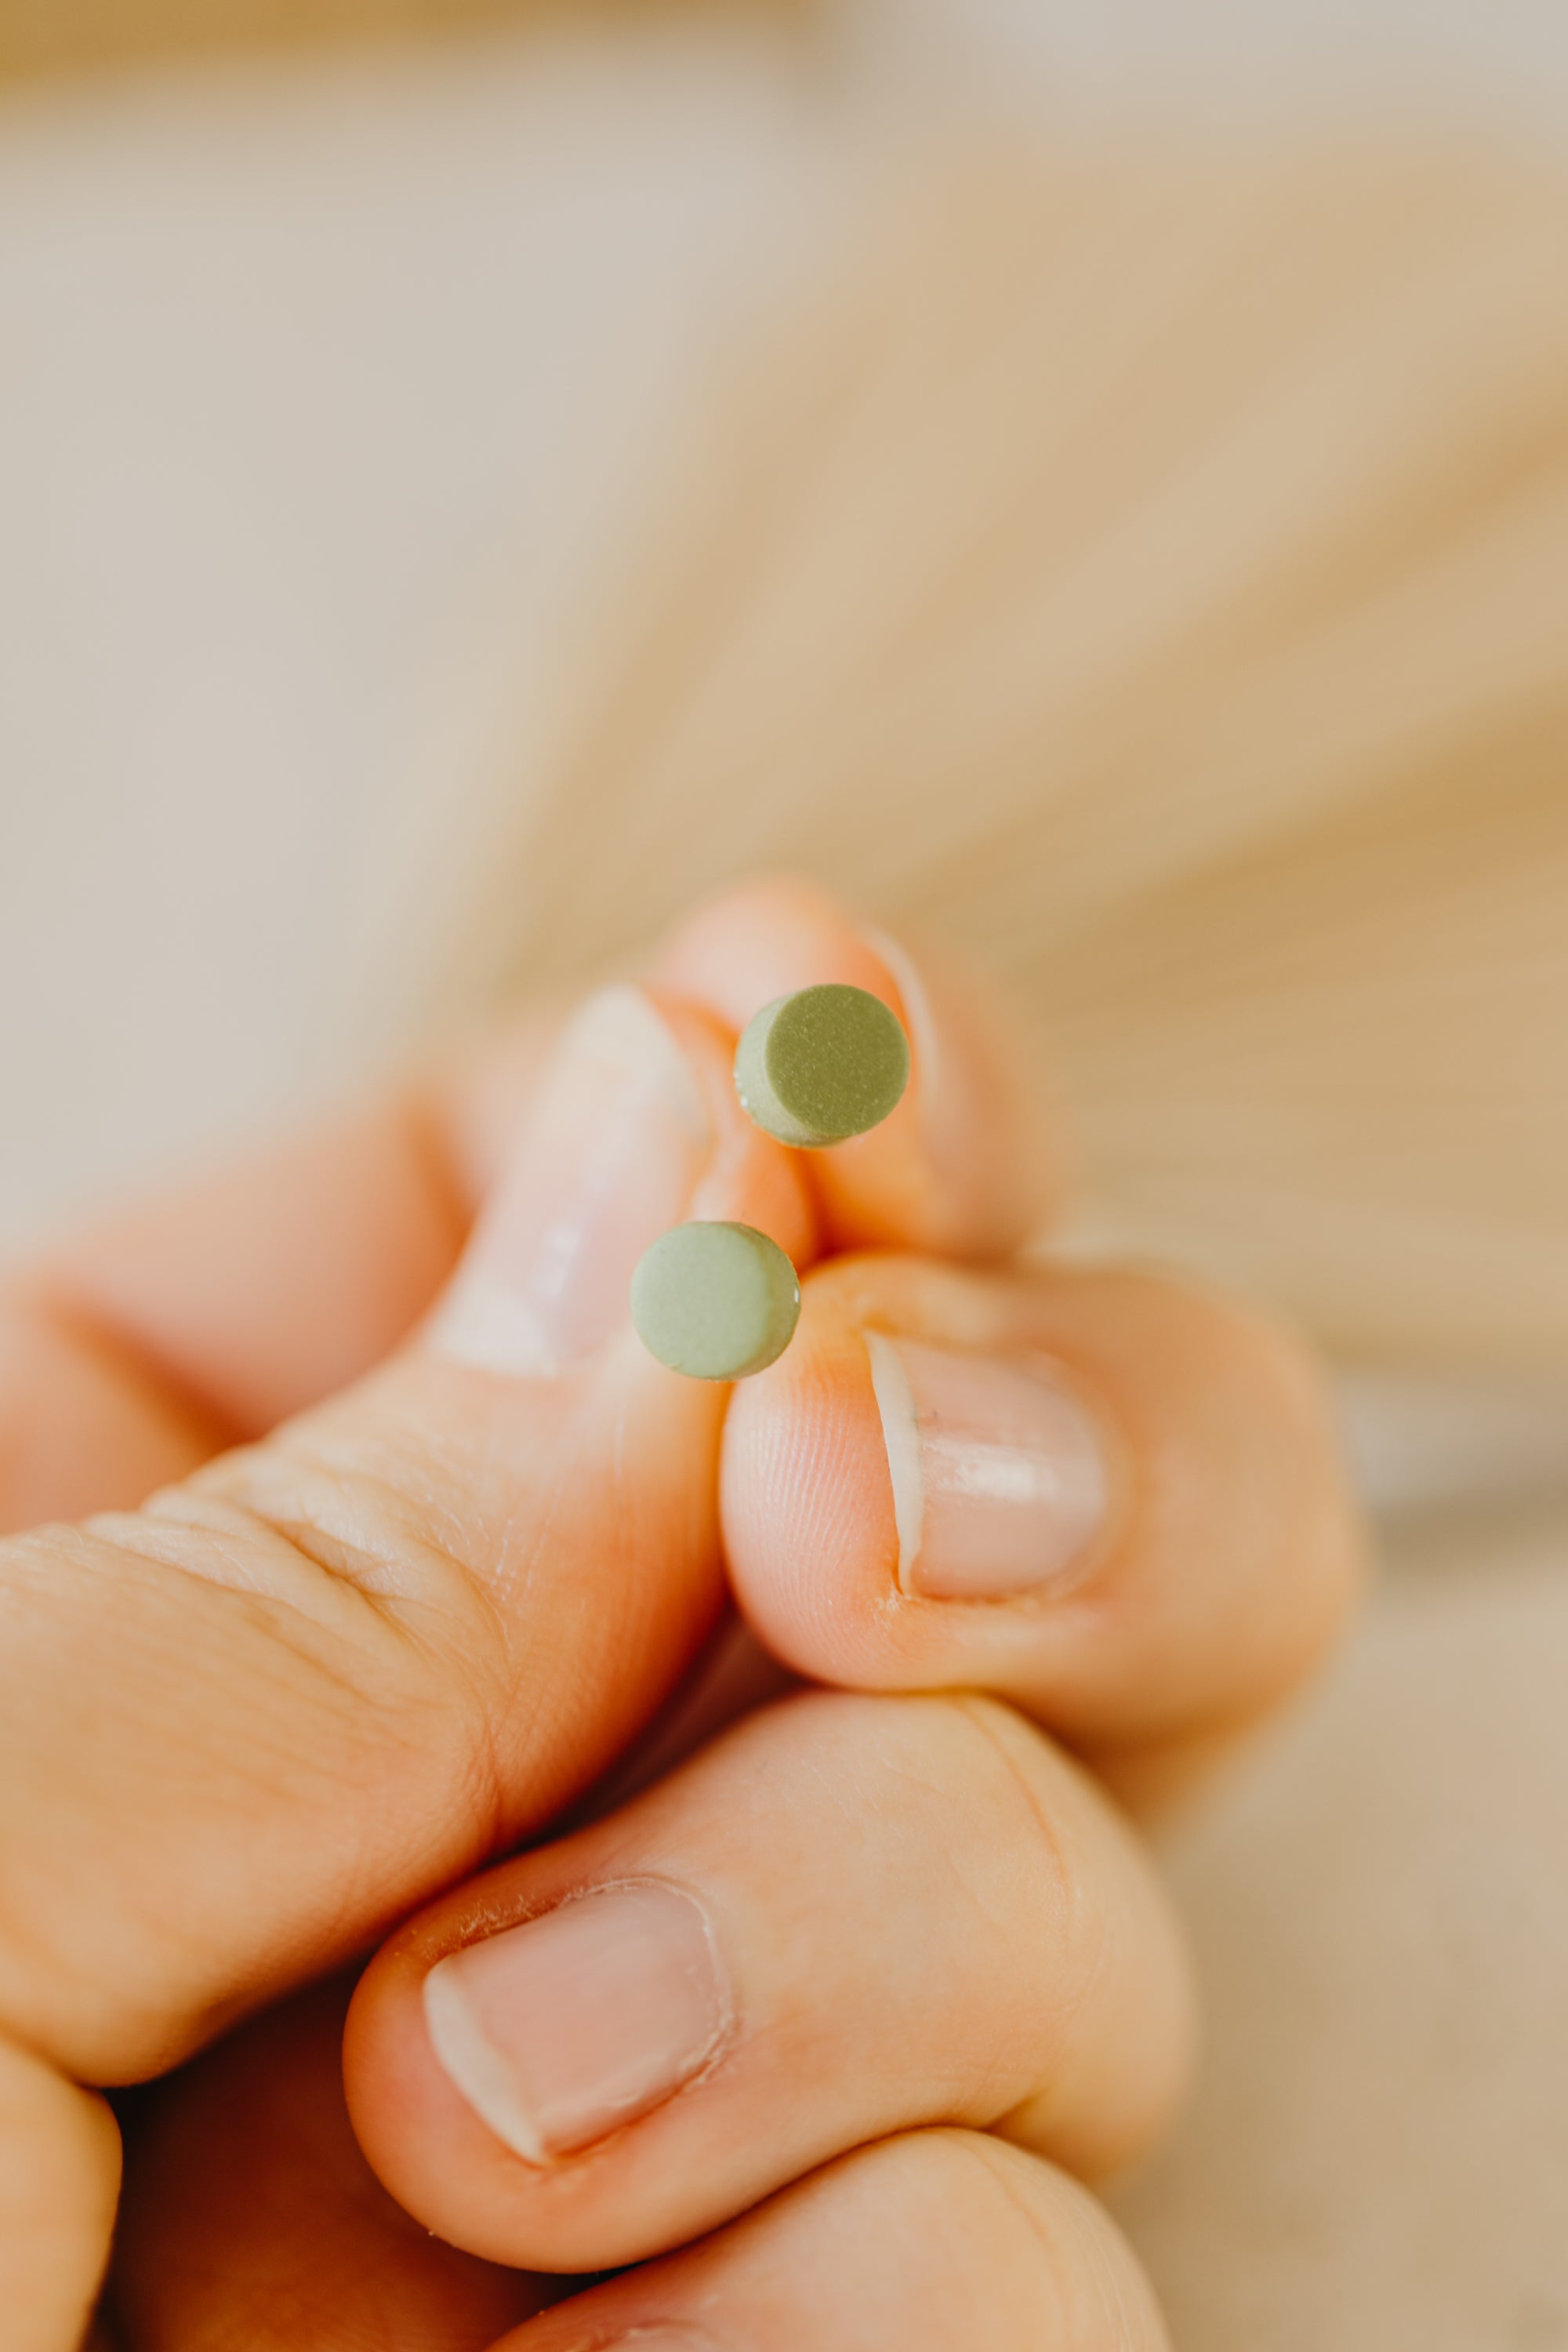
250, 2217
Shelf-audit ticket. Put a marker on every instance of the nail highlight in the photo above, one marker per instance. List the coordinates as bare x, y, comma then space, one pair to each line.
999, 1474
558, 2032
608, 1161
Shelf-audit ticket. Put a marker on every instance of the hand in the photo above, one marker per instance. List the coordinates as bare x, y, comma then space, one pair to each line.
330, 1672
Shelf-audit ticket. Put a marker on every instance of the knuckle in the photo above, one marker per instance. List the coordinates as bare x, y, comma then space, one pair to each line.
1254, 1400
1002, 1833
1032, 2250
1101, 1943
1003, 1760
374, 1523
955, 1792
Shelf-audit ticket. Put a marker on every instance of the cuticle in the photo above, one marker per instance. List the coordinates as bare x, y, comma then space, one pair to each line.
726, 2036
1122, 1481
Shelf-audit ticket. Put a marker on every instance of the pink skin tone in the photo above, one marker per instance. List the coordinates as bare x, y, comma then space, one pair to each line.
561, 2030
1110, 1502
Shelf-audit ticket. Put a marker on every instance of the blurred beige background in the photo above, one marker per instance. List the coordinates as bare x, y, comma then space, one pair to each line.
322, 379
323, 385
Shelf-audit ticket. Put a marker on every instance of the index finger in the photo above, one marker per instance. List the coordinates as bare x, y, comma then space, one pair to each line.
146, 1341
965, 1166
143, 1344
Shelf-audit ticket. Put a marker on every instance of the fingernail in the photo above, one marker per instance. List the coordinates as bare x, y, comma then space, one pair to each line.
1000, 1478
560, 2031
612, 1151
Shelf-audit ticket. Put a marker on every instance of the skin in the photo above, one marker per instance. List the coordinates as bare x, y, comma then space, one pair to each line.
323, 1622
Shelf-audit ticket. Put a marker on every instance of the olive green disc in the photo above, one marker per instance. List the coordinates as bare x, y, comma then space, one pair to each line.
715, 1301
821, 1066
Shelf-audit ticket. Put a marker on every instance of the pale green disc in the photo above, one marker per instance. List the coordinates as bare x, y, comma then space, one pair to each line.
821, 1066
715, 1301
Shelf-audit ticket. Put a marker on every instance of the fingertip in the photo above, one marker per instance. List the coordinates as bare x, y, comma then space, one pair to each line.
59, 2177
966, 1164
750, 1177
972, 1167
761, 938
425, 2143
1111, 1497
806, 1497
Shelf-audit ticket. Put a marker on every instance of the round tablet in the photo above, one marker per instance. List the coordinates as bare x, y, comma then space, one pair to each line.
821, 1066
715, 1301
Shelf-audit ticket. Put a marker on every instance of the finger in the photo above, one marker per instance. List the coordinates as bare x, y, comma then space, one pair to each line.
141, 1345
936, 2242
250, 2217
288, 1698
85, 1425
963, 1165
849, 1917
136, 1349
1115, 1500
59, 2171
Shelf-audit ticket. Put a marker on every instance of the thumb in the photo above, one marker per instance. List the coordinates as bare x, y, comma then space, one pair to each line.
245, 1727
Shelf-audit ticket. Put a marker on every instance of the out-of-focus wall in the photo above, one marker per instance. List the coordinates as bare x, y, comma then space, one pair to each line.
55, 35
1422, 59
321, 381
